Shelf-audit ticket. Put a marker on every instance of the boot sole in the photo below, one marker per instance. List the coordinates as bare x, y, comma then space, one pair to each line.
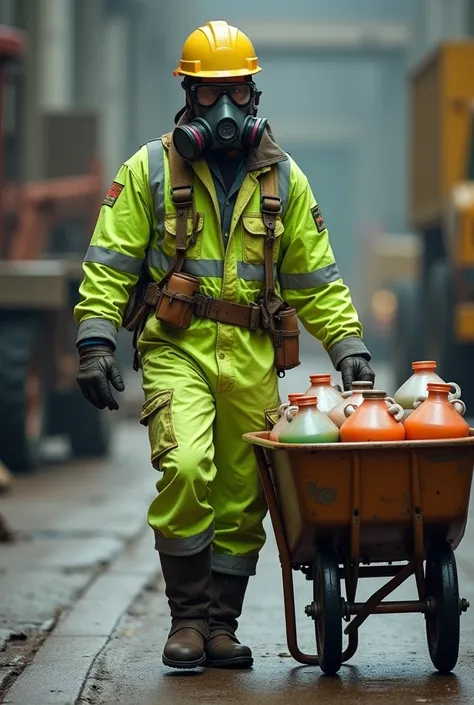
239, 662
184, 664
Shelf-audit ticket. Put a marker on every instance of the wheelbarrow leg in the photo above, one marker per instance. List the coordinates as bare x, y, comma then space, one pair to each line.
287, 570
285, 562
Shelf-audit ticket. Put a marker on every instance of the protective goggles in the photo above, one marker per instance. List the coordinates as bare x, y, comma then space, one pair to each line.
207, 94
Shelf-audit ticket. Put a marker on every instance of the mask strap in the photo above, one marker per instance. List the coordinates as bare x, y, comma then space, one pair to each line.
179, 115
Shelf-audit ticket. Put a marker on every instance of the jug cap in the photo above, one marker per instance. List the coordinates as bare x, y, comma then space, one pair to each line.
292, 398
362, 385
374, 394
439, 387
307, 401
424, 365
314, 379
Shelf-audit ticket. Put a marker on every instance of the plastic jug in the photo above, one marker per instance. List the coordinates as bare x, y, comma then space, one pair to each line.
283, 421
353, 397
325, 392
416, 386
437, 416
308, 424
373, 420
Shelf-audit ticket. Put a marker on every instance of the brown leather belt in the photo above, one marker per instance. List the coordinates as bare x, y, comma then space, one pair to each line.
216, 309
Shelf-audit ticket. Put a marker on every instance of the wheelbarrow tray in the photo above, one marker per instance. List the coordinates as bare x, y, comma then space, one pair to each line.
326, 491
350, 504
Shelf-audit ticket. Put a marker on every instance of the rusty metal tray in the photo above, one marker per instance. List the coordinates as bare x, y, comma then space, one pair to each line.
360, 505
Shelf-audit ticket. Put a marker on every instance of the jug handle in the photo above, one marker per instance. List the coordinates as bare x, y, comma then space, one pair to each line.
346, 395
350, 409
282, 408
456, 393
459, 405
289, 413
337, 387
396, 411
390, 400
418, 402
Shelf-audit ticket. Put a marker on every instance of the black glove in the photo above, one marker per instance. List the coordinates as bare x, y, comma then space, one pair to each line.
355, 369
96, 368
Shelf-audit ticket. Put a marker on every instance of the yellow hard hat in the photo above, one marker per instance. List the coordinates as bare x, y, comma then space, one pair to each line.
217, 50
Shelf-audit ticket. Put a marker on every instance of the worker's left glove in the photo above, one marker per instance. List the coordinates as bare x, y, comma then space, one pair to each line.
97, 368
355, 369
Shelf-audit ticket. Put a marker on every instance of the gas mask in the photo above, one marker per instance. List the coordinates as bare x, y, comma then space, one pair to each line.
222, 119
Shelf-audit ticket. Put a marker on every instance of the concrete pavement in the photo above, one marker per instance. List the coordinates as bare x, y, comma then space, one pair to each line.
70, 521
391, 667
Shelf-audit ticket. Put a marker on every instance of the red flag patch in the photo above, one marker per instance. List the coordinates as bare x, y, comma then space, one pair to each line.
318, 219
112, 194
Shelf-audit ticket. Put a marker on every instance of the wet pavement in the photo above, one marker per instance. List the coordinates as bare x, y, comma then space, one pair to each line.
392, 664
82, 585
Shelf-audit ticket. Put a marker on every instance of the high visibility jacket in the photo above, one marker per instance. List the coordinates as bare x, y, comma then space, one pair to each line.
137, 227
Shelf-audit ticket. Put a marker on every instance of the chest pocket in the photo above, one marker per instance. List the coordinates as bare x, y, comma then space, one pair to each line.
253, 237
194, 243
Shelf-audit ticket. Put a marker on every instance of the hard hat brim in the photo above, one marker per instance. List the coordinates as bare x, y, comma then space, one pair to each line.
217, 74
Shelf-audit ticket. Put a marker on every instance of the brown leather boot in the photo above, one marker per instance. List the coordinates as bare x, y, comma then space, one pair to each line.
188, 589
223, 649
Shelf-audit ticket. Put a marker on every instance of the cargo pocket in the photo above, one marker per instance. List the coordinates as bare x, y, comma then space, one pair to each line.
194, 243
157, 417
271, 417
254, 233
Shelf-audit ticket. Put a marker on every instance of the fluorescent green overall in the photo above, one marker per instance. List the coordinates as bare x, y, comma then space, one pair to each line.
209, 384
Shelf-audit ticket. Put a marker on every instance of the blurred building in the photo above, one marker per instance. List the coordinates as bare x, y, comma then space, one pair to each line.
334, 88
95, 56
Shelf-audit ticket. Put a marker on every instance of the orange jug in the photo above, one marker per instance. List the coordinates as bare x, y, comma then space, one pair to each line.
416, 386
283, 421
326, 394
353, 397
373, 420
308, 425
437, 416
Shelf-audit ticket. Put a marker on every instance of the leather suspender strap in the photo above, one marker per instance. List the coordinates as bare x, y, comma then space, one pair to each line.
271, 208
182, 193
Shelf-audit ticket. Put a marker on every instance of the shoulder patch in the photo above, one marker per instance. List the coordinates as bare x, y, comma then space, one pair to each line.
318, 218
112, 194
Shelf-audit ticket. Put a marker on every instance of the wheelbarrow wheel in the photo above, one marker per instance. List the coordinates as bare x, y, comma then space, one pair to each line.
328, 604
443, 623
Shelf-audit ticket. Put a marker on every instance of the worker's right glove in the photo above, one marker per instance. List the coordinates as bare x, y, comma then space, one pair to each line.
97, 368
355, 369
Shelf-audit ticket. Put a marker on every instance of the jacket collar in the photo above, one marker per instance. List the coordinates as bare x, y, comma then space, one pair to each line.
266, 154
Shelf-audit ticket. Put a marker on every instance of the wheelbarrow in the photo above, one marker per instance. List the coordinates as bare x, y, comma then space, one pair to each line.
346, 511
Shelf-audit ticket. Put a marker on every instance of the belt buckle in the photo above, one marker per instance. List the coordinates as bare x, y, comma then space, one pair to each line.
153, 295
254, 320
271, 205
202, 305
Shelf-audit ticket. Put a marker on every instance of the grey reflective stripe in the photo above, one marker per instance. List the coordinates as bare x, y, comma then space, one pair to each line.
253, 272
113, 259
250, 272
284, 169
310, 280
156, 177
234, 565
157, 259
204, 267
207, 267
198, 268
184, 547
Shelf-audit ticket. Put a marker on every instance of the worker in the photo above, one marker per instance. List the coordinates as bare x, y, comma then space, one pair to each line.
208, 243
